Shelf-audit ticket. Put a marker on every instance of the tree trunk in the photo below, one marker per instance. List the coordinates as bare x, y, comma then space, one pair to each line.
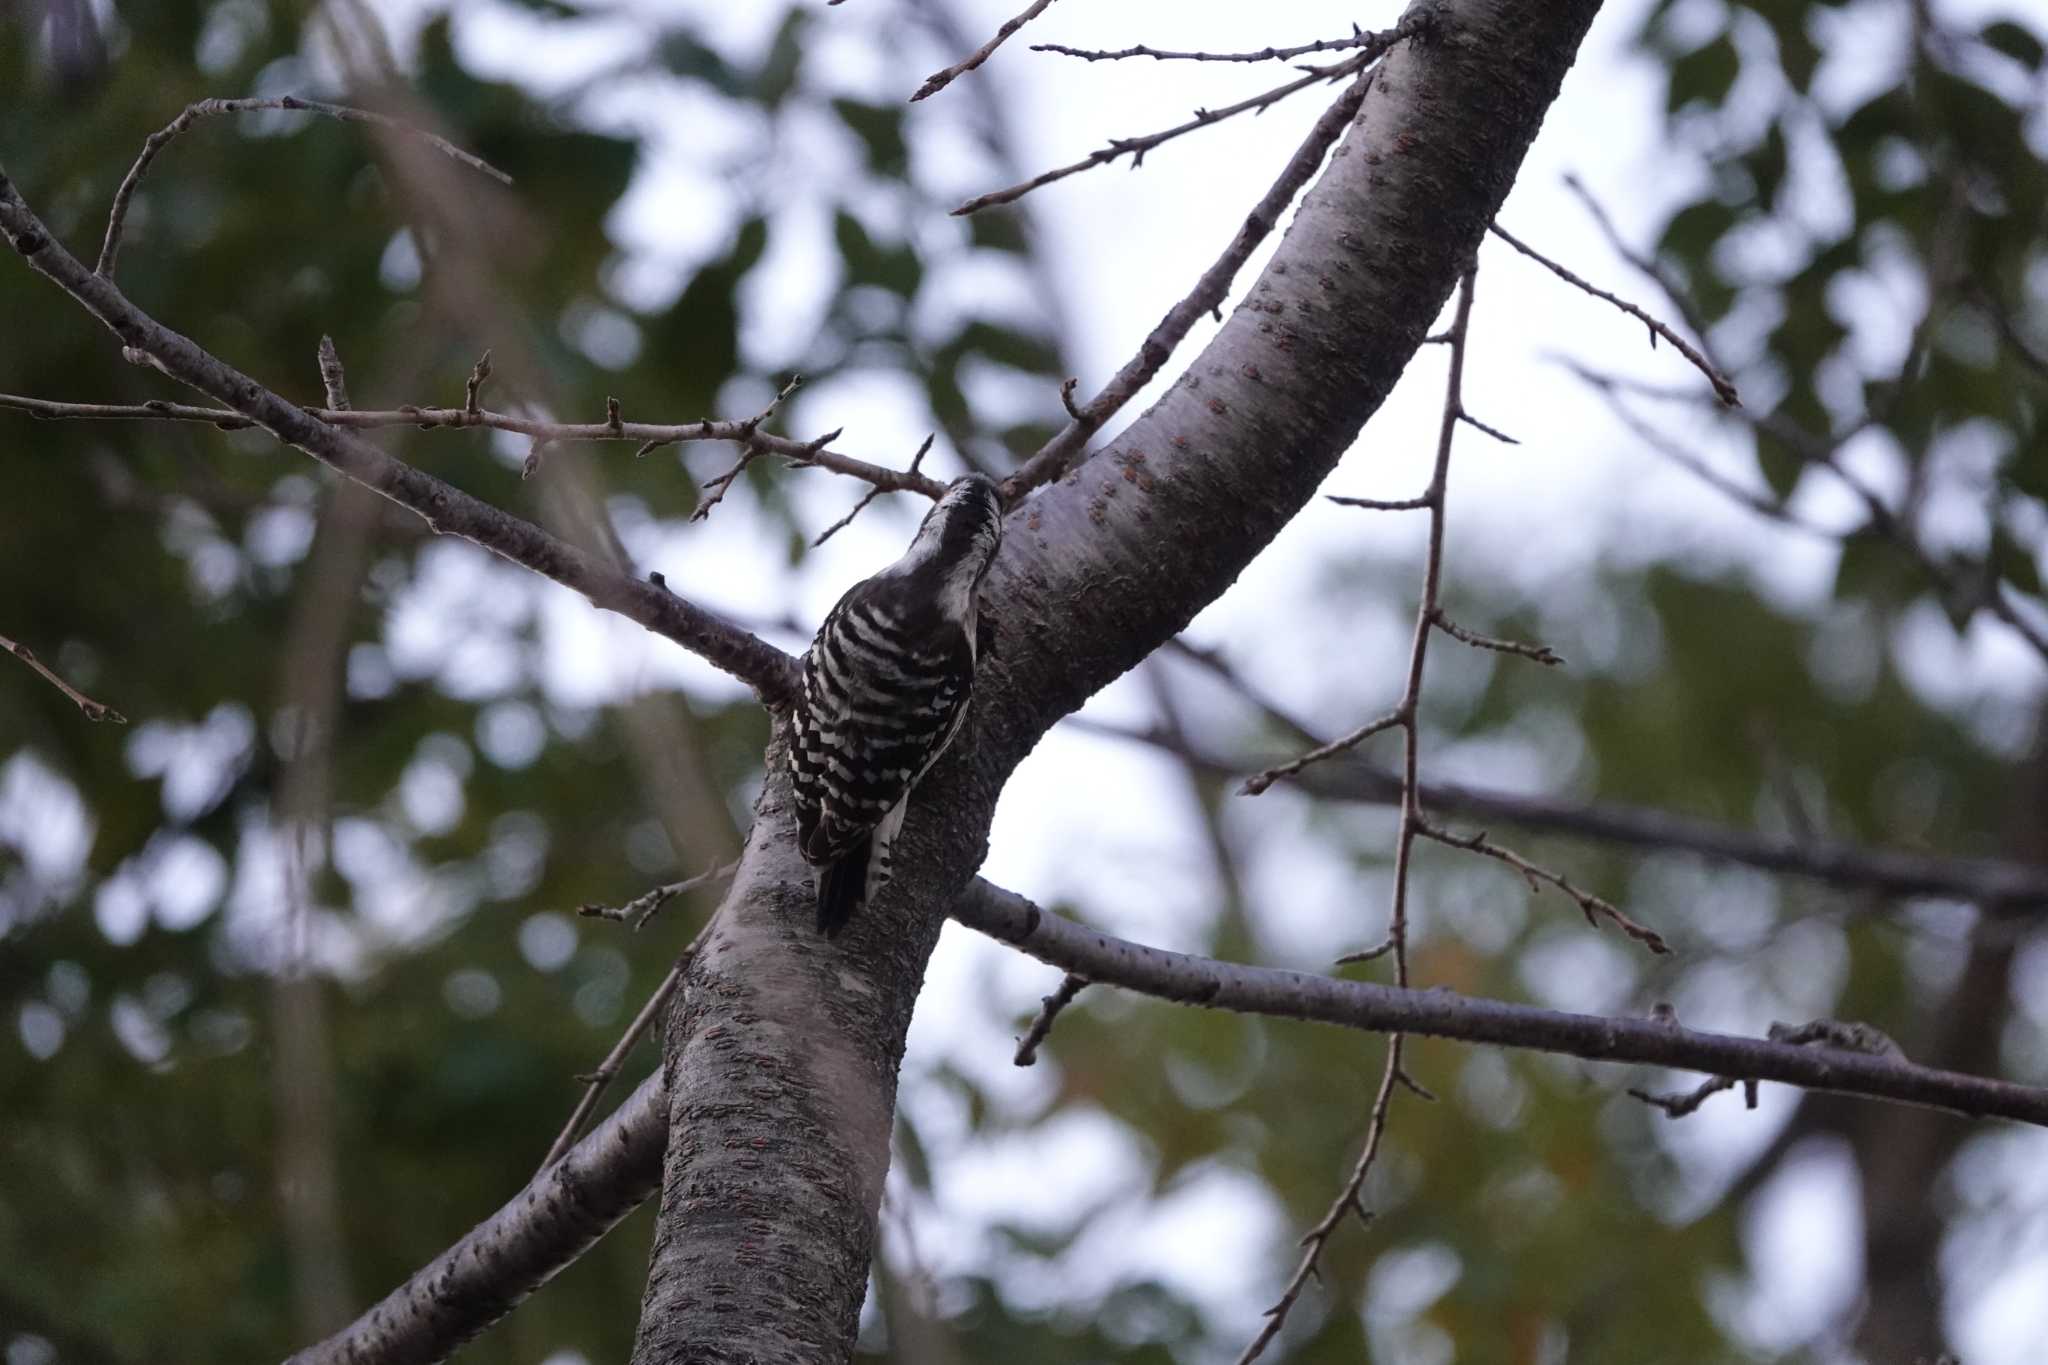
782, 1053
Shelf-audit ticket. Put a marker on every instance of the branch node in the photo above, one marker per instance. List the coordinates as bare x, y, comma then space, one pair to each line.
332, 379
472, 391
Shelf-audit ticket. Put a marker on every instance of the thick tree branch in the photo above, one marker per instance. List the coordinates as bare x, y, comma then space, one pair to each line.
546, 1226
1052, 459
445, 508
782, 1065
570, 1204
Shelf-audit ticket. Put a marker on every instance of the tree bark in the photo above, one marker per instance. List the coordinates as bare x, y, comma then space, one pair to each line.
781, 1056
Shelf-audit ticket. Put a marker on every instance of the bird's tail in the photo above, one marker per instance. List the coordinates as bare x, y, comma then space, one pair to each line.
842, 886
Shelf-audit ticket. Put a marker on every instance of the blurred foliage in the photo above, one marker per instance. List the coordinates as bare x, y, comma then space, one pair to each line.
1531, 1214
142, 892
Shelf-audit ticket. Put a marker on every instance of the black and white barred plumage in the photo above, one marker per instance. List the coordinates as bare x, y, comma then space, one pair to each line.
885, 687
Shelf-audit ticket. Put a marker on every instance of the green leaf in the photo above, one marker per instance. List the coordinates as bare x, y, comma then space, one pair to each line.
681, 53
1706, 74
880, 129
998, 229
777, 76
2015, 563
2021, 44
895, 268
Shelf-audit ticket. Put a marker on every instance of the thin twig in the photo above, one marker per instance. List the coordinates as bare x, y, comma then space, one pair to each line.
1051, 459
1677, 1106
1845, 1035
595, 1082
1495, 432
939, 80
110, 249
475, 386
1680, 299
2004, 888
1403, 715
1357, 38
644, 907
93, 710
1724, 387
651, 435
1347, 1201
1592, 906
1137, 147
332, 378
1542, 654
1259, 782
1049, 1008
1756, 500
1382, 504
840, 525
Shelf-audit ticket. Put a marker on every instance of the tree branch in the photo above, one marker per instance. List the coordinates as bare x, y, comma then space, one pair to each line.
1724, 387
92, 710
117, 217
1052, 459
560, 1214
1137, 147
2000, 886
1356, 38
1439, 1013
651, 436
939, 80
446, 509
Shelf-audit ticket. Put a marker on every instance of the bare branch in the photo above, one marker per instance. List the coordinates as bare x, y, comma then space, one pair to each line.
1592, 906
651, 436
1187, 979
1347, 1201
117, 217
560, 1214
2002, 887
1385, 504
1542, 654
595, 1083
1678, 1106
939, 80
332, 378
1680, 299
1495, 432
1136, 147
1049, 1010
446, 509
1756, 500
475, 386
1357, 38
1966, 585
1207, 296
840, 525
1724, 387
93, 710
642, 908
1259, 782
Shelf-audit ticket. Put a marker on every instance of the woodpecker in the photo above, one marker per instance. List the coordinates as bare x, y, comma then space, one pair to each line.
885, 687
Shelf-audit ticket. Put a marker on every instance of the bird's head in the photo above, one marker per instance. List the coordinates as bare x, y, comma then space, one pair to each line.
962, 532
